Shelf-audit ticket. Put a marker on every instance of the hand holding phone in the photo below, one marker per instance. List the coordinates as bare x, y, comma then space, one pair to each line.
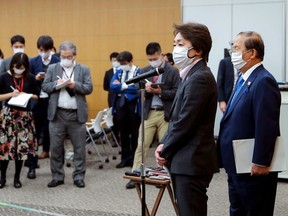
155, 85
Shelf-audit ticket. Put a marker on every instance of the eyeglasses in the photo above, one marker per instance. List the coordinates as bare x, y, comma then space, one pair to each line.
67, 57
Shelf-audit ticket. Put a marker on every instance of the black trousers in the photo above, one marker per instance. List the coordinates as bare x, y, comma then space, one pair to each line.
252, 195
190, 193
129, 121
42, 123
4, 166
42, 127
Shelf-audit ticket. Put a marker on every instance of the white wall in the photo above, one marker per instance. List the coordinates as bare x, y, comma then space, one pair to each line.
226, 18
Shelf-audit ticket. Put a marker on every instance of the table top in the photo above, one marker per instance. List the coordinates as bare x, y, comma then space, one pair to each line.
148, 180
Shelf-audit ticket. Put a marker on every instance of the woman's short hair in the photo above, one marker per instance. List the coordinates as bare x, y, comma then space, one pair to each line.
198, 34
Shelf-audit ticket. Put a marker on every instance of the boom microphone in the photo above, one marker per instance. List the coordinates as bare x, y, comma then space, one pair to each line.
151, 73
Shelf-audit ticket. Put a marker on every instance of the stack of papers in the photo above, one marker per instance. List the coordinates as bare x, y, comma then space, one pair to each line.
21, 100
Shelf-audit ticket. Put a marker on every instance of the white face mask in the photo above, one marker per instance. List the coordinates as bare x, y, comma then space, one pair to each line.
156, 63
44, 55
18, 50
115, 64
125, 67
67, 62
237, 60
18, 71
180, 56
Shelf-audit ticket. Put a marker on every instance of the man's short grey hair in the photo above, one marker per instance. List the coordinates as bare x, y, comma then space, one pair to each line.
67, 45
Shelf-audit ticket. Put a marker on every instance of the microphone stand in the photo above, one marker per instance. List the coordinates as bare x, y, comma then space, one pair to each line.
143, 173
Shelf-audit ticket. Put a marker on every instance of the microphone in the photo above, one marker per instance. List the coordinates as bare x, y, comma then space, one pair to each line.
151, 73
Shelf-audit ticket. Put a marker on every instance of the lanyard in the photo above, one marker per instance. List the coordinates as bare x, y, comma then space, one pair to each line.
20, 87
66, 75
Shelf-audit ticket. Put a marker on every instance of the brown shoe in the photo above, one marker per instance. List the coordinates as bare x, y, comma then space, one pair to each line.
43, 155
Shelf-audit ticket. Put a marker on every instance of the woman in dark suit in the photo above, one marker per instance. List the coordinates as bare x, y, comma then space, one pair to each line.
188, 148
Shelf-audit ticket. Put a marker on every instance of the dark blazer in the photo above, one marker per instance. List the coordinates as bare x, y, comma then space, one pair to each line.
36, 64
5, 65
225, 79
106, 86
253, 114
83, 87
171, 79
189, 141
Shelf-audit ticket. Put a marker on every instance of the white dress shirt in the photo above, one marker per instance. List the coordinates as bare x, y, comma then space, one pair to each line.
65, 100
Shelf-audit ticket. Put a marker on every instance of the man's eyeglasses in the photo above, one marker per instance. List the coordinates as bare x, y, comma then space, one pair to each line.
67, 57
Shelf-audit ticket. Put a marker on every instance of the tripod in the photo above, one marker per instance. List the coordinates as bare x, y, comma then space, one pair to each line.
143, 173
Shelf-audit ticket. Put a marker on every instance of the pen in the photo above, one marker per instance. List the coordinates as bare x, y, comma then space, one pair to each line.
146, 80
59, 77
12, 88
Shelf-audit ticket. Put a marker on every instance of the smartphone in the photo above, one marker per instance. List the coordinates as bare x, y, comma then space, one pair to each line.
41, 73
155, 85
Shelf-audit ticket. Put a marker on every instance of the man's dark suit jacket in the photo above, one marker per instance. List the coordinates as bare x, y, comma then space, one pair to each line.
189, 143
171, 79
106, 86
254, 113
225, 79
5, 66
36, 64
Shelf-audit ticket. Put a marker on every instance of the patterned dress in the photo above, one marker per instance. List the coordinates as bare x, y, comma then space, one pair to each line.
17, 129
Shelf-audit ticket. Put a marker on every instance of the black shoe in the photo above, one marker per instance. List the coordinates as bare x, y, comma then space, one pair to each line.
124, 164
2, 183
31, 174
17, 184
130, 185
79, 183
55, 183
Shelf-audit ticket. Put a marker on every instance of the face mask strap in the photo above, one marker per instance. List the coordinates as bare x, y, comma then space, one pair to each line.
188, 54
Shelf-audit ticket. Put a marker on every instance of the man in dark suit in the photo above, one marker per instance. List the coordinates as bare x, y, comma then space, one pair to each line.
252, 112
126, 107
188, 147
67, 113
108, 76
158, 101
38, 67
225, 81
106, 86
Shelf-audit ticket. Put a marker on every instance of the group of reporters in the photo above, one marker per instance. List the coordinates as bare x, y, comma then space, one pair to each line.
180, 108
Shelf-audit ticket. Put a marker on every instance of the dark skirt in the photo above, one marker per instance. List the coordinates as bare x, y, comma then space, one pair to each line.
17, 134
